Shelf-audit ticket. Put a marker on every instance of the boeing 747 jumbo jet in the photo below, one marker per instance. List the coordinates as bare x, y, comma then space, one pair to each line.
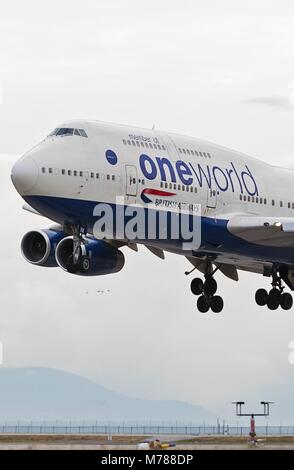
106, 186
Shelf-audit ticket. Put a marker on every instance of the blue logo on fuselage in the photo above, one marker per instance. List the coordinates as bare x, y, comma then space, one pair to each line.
191, 174
111, 157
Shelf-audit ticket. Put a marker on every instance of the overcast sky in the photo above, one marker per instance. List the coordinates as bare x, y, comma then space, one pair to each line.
222, 71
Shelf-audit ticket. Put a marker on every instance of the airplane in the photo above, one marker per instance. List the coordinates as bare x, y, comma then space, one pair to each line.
244, 207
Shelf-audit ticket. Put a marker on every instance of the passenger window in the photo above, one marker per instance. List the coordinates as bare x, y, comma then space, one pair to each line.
81, 173
43, 170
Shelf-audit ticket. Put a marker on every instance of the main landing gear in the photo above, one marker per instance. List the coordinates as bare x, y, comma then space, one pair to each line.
206, 291
78, 261
275, 297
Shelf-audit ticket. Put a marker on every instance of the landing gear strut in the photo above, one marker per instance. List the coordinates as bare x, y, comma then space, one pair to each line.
206, 291
275, 297
77, 261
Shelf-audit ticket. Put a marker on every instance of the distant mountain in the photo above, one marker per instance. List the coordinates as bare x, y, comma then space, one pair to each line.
50, 394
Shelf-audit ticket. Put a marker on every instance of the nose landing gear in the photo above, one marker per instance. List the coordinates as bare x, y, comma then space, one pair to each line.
77, 261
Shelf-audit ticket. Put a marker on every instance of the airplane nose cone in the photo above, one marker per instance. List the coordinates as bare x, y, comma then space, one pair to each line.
24, 175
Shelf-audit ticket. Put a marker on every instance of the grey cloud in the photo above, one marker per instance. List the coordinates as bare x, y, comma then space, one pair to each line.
279, 102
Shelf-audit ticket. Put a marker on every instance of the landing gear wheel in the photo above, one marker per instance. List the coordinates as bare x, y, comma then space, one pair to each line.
197, 286
286, 301
216, 304
261, 297
210, 286
202, 304
85, 264
273, 300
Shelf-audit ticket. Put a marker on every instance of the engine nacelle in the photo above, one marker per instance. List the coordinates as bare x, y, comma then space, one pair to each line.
38, 247
104, 258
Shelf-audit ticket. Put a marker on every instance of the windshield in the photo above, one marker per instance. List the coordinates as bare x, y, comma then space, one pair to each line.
66, 131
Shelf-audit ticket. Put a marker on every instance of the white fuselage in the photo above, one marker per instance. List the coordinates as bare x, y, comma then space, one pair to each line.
142, 165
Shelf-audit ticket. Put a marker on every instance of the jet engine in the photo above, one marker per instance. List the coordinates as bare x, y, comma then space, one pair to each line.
38, 246
96, 258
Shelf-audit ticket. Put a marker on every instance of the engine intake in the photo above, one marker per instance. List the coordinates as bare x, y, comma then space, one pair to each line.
38, 247
104, 258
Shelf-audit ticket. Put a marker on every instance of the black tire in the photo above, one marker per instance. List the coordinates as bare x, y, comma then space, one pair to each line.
70, 266
210, 286
273, 300
286, 301
217, 304
261, 297
197, 286
202, 304
85, 264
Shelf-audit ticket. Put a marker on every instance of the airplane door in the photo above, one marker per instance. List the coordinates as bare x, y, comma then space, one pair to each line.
211, 196
131, 183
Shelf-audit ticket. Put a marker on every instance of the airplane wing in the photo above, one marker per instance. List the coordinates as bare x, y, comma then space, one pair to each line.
29, 208
268, 231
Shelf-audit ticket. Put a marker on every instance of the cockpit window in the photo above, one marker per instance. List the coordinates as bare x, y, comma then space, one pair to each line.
83, 132
66, 131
